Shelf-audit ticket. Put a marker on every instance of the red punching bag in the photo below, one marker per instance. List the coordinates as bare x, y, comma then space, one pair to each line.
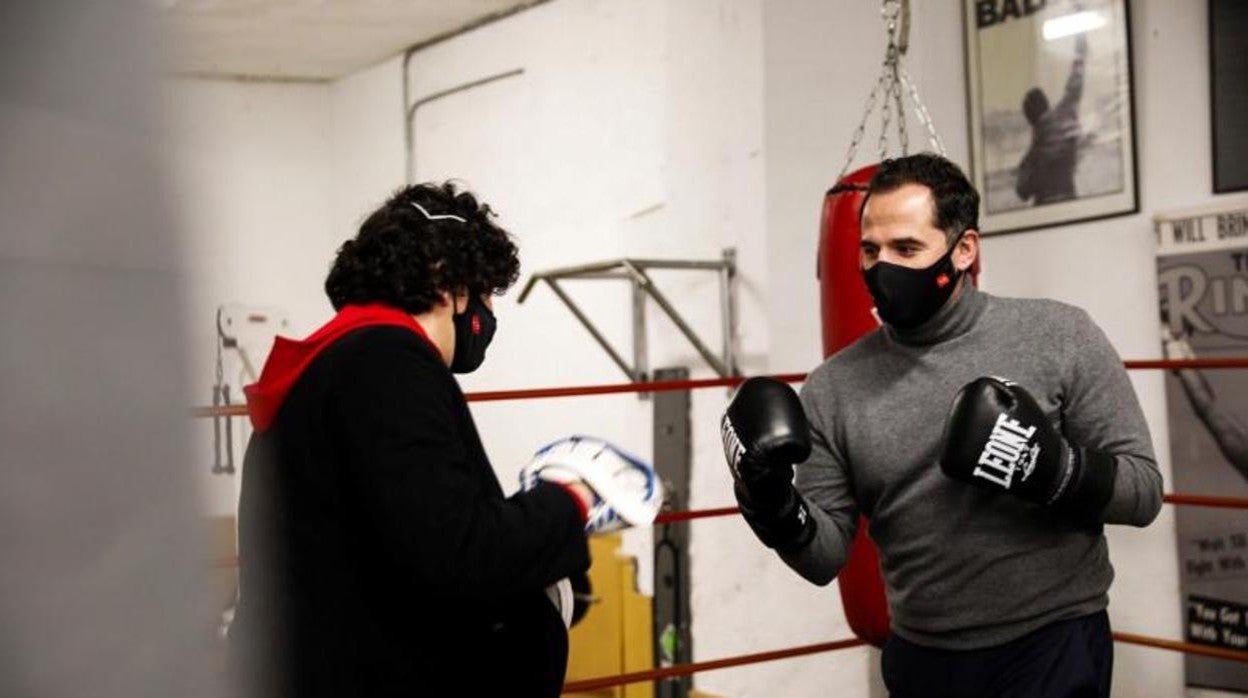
845, 306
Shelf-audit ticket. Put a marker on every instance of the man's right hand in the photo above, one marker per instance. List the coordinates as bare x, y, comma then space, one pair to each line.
765, 433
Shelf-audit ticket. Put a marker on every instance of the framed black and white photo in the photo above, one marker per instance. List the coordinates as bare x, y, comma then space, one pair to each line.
1228, 74
1051, 111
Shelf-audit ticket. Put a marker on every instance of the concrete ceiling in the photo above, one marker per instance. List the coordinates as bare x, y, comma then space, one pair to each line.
310, 39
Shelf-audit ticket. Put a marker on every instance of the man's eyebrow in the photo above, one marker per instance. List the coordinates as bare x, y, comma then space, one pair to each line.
908, 240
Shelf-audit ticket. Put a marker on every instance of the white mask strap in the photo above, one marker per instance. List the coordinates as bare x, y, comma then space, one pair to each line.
438, 217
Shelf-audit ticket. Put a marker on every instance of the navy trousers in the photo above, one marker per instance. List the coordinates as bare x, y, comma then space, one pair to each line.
1068, 659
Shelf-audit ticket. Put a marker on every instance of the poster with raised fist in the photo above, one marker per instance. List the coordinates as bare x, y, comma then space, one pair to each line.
1050, 104
1202, 282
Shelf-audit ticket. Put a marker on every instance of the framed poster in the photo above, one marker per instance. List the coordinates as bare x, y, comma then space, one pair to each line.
1202, 284
1228, 73
1051, 111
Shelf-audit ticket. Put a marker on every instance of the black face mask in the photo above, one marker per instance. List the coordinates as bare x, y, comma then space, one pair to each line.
906, 298
474, 328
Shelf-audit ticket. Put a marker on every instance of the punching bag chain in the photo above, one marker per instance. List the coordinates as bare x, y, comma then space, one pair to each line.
891, 86
924, 117
892, 11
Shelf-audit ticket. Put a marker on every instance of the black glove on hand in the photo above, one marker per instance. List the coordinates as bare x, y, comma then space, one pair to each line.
997, 436
765, 433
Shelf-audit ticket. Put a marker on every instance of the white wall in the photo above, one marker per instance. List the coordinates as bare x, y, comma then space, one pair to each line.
366, 163
269, 178
251, 166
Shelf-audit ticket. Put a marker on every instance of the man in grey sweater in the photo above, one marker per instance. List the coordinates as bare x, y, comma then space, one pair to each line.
986, 439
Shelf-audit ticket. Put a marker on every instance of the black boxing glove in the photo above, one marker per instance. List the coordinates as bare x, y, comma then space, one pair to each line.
997, 436
765, 433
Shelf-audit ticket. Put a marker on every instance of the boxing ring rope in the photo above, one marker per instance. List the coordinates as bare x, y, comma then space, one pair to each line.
1180, 364
598, 683
1203, 500
675, 670
696, 384
1195, 500
1185, 647
669, 517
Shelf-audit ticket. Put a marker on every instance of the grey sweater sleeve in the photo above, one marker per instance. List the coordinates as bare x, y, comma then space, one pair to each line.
824, 483
1101, 411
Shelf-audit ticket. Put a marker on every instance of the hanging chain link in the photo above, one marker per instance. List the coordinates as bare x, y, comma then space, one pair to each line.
924, 117
862, 126
891, 87
902, 137
889, 11
886, 114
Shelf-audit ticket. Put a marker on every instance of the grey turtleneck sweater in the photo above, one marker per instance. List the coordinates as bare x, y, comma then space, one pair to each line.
965, 567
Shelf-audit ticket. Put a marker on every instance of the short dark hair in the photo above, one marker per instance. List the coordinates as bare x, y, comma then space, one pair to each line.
402, 259
956, 203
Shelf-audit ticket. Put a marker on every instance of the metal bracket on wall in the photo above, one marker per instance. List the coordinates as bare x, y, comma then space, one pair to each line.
636, 272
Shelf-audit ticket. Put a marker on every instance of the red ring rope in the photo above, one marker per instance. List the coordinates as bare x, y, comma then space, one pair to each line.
1203, 500
1185, 647
665, 386
694, 667
602, 682
1179, 364
670, 517
1195, 500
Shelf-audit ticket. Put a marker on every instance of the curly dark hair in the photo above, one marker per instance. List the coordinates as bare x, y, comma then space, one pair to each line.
956, 201
402, 259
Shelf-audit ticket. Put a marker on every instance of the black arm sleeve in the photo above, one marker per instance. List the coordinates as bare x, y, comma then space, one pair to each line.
435, 512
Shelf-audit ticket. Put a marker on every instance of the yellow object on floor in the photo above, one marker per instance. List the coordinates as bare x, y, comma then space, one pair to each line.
616, 634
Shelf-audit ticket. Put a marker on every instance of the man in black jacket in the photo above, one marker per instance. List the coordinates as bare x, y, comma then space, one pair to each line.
378, 555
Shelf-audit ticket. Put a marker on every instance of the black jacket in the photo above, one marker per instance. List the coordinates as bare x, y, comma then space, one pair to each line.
378, 555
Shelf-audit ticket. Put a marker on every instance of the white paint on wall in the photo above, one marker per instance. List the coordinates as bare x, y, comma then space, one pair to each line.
251, 183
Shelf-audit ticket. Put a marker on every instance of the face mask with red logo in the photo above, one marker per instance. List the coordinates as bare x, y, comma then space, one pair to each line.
906, 298
474, 328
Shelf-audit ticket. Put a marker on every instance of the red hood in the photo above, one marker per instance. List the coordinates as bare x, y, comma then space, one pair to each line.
289, 358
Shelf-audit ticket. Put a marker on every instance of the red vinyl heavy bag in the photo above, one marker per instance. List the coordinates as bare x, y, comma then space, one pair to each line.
845, 307
845, 304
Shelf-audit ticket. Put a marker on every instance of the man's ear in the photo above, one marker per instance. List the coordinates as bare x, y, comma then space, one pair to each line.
966, 254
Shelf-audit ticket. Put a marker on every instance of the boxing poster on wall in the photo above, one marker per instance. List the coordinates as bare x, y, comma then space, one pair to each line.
1051, 111
1202, 276
1228, 25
